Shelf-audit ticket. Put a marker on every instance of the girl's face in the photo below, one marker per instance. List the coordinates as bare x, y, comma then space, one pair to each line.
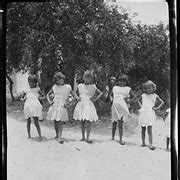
122, 82
87, 80
149, 89
113, 81
60, 81
32, 84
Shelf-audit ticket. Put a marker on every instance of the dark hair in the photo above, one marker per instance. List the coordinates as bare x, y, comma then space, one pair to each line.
123, 77
33, 78
58, 75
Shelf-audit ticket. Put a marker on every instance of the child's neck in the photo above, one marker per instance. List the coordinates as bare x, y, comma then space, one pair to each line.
149, 93
59, 84
121, 85
88, 83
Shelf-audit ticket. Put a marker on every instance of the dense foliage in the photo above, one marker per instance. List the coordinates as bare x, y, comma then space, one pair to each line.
71, 37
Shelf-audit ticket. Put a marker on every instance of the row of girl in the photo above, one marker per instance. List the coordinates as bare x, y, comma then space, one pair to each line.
86, 94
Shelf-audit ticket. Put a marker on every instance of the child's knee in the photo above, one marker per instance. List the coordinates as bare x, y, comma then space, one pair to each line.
88, 123
36, 123
149, 129
114, 123
143, 128
28, 121
120, 123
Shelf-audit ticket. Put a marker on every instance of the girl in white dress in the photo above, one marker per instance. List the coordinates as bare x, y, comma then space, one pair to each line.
58, 111
119, 109
85, 110
32, 106
147, 114
167, 123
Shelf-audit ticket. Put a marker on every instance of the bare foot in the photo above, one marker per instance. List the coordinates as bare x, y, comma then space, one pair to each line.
152, 148
40, 139
88, 141
60, 141
121, 142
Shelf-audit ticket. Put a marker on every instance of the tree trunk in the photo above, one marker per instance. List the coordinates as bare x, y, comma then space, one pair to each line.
10, 87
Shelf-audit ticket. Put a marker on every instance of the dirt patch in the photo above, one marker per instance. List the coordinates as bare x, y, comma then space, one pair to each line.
103, 159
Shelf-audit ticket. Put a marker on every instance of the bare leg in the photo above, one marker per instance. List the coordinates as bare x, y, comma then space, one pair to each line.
114, 125
83, 129
60, 127
120, 125
143, 134
88, 130
29, 127
36, 123
167, 143
150, 137
56, 128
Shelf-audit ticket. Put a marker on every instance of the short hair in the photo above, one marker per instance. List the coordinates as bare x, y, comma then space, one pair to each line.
58, 75
148, 84
33, 78
88, 74
123, 77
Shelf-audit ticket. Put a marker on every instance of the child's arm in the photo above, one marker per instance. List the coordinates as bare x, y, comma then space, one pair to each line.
161, 103
111, 96
47, 96
132, 97
23, 96
139, 101
75, 90
42, 95
98, 92
74, 94
165, 115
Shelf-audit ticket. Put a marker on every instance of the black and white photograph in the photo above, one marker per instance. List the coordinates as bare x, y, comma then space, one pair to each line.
88, 90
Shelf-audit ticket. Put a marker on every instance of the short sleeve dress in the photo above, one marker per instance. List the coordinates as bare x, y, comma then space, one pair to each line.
119, 108
32, 106
85, 109
57, 111
147, 116
167, 123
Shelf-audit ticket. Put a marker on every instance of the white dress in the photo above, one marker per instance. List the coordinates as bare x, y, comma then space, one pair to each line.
167, 123
32, 106
57, 111
85, 109
119, 108
147, 116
